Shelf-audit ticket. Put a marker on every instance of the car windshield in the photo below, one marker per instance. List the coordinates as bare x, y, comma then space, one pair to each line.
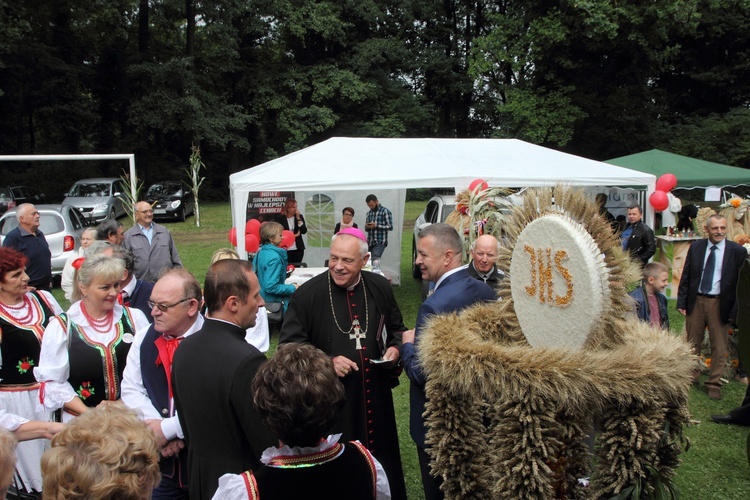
164, 190
89, 189
4, 194
447, 210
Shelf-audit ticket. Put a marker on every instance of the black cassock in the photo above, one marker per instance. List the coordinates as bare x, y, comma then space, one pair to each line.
368, 415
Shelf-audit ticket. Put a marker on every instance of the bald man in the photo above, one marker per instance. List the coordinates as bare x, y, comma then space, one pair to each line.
30, 241
484, 252
152, 245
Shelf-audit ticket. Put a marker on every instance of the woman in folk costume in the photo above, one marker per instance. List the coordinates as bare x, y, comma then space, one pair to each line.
23, 317
84, 350
298, 395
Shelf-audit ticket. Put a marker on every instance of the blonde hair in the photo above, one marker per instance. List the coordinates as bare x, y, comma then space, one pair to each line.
97, 266
268, 230
8, 445
107, 452
224, 253
654, 269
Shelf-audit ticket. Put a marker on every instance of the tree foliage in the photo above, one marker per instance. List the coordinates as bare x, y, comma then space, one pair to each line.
250, 80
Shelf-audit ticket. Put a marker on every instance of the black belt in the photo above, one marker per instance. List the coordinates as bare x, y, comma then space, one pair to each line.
708, 296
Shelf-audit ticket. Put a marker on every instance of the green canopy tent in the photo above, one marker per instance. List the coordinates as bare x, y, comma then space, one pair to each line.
690, 172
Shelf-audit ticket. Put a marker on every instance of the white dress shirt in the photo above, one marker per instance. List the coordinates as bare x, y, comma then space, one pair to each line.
134, 393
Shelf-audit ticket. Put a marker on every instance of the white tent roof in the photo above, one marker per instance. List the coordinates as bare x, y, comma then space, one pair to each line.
343, 163
354, 167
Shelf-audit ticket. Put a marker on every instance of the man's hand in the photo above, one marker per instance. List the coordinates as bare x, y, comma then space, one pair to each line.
392, 354
407, 337
172, 448
344, 366
155, 426
682, 311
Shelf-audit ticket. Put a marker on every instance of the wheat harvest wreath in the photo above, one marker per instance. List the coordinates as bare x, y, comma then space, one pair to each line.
515, 387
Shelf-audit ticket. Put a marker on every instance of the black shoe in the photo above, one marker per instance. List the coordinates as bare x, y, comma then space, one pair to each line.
726, 419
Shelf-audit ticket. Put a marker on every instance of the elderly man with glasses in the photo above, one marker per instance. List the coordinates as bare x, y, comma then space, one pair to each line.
175, 304
152, 245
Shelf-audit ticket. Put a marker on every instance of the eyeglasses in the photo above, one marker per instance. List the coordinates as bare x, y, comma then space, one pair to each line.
347, 214
166, 307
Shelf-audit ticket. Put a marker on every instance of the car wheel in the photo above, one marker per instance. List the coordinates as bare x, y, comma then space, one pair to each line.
416, 273
181, 214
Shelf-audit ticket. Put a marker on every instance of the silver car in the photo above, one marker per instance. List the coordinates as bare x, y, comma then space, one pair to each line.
97, 199
62, 226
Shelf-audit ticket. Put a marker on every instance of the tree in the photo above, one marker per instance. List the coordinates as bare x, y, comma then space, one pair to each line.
196, 180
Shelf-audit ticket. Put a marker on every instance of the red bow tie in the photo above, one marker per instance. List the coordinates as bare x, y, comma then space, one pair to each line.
167, 346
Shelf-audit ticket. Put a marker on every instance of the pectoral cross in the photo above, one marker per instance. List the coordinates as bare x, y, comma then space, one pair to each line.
357, 335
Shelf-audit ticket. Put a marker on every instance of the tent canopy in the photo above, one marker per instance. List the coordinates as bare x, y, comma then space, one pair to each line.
365, 163
345, 170
690, 172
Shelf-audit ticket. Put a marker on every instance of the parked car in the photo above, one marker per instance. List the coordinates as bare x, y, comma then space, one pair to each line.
62, 226
437, 210
97, 199
12, 196
439, 207
171, 200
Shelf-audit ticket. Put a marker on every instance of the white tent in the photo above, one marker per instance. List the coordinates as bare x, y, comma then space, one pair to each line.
342, 171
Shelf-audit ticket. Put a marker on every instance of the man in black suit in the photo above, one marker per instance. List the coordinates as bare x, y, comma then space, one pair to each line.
439, 252
707, 295
212, 374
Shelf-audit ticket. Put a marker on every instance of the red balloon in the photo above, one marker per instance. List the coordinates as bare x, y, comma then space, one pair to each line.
287, 238
233, 236
252, 226
252, 243
478, 182
659, 200
666, 183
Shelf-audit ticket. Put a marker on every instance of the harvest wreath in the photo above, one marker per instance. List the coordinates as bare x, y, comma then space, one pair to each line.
515, 386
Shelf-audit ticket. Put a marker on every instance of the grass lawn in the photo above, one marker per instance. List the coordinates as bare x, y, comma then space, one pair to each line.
715, 467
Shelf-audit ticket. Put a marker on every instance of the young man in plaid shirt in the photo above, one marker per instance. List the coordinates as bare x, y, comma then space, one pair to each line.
379, 221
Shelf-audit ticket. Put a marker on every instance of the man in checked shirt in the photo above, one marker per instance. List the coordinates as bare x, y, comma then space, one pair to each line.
379, 221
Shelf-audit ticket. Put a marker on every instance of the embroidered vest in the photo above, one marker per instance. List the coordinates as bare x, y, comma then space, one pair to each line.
155, 383
96, 369
351, 475
20, 345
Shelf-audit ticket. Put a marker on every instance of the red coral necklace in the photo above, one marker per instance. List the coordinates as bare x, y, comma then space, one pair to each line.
23, 320
102, 325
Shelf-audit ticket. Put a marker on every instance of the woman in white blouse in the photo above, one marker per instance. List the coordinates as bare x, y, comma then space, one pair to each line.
84, 350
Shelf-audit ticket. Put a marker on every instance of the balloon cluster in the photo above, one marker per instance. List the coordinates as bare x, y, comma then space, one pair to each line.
659, 199
252, 236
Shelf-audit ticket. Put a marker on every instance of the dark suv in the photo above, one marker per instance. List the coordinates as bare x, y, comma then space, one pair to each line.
12, 196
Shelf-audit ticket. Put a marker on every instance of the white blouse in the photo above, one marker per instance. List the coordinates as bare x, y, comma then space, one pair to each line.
54, 364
